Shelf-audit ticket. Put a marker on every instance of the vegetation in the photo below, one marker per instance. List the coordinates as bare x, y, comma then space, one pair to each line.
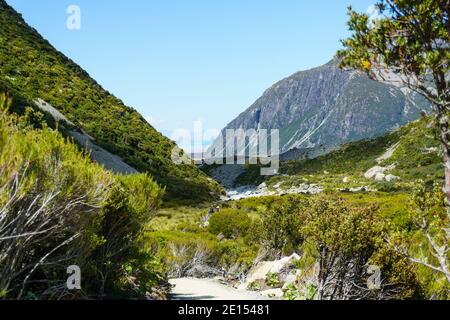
31, 68
229, 223
416, 156
344, 235
411, 40
345, 240
58, 209
189, 249
280, 229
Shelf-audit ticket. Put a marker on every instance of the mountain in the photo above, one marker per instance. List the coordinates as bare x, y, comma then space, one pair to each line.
322, 108
37, 75
387, 163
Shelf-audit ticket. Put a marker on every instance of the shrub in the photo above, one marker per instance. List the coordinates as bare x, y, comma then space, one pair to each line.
347, 240
57, 208
236, 256
50, 203
273, 280
128, 209
185, 254
280, 227
230, 223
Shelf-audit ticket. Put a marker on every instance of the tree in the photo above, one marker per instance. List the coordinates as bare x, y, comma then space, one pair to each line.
280, 227
347, 242
407, 45
428, 215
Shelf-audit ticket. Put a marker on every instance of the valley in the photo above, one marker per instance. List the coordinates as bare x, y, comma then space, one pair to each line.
86, 181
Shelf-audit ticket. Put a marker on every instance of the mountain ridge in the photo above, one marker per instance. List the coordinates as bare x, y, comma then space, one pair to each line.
32, 68
326, 107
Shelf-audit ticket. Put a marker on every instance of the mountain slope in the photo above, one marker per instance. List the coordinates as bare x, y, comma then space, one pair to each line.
408, 154
31, 68
325, 107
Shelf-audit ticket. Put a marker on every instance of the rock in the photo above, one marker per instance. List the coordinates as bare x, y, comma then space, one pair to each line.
372, 172
379, 177
360, 189
391, 177
345, 180
378, 173
262, 186
291, 278
278, 265
273, 293
260, 271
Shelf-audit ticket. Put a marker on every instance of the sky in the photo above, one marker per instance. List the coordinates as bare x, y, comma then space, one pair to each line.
178, 61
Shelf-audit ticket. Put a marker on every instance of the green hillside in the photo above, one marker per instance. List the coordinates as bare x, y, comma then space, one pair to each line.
31, 68
59, 209
416, 156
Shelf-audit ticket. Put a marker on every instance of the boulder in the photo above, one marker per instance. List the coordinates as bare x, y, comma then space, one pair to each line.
391, 177
273, 293
379, 177
378, 173
279, 265
291, 278
262, 186
260, 271
373, 172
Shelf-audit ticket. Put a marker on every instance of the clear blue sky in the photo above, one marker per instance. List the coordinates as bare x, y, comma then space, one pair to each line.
177, 61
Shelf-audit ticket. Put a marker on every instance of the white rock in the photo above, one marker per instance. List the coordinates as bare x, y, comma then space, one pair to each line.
360, 189
262, 186
345, 180
379, 176
260, 271
378, 173
280, 264
372, 172
291, 278
391, 177
273, 293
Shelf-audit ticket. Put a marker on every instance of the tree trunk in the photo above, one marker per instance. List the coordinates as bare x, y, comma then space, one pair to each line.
444, 136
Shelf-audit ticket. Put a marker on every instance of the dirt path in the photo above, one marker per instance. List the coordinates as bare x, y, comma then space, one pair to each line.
206, 289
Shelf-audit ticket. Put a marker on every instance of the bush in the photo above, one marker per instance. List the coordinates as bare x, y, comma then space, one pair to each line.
280, 227
51, 198
230, 223
185, 254
347, 240
57, 208
130, 206
273, 280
